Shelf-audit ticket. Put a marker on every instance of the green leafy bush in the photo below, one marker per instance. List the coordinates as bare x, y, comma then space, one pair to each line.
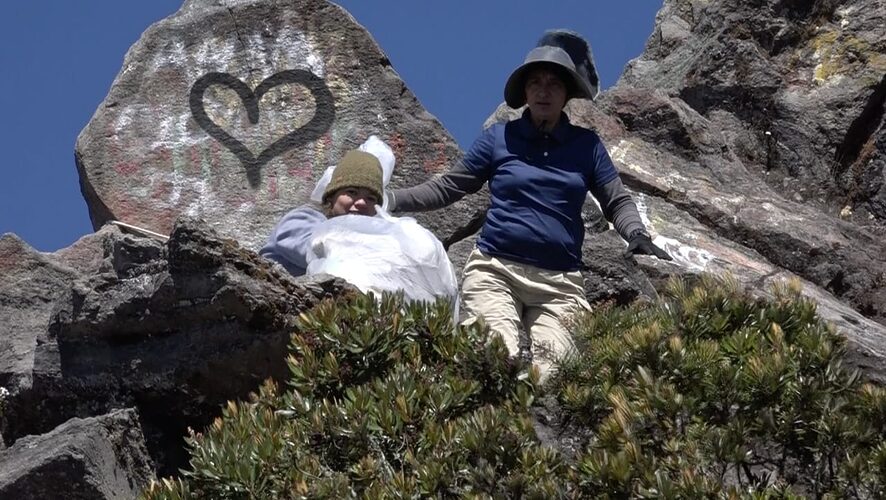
385, 400
710, 392
706, 393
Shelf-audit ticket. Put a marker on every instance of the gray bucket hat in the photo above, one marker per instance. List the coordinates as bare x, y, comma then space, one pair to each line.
565, 49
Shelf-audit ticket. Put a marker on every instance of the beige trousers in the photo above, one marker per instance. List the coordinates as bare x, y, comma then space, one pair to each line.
509, 295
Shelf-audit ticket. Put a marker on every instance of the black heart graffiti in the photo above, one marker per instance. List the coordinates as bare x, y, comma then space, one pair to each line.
324, 115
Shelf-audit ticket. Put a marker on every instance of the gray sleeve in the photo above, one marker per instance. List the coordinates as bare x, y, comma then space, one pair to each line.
618, 207
437, 193
288, 242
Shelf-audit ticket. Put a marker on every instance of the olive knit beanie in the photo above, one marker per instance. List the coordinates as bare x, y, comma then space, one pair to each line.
357, 169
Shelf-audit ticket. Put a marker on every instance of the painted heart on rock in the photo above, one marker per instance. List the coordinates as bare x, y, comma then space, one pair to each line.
324, 115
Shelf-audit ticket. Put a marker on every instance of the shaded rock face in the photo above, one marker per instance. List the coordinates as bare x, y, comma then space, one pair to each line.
797, 89
93, 458
32, 283
174, 330
765, 121
231, 111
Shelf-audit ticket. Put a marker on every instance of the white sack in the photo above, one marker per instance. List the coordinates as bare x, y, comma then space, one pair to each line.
384, 253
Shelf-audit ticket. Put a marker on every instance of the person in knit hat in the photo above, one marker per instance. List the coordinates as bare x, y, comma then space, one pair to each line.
356, 185
524, 274
356, 188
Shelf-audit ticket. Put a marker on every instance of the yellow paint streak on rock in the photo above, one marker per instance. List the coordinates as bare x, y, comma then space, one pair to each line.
840, 54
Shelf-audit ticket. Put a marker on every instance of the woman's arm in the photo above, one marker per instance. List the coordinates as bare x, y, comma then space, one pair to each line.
466, 177
288, 243
437, 193
618, 207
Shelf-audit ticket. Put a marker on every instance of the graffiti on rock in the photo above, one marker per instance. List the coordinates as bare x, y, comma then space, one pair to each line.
324, 115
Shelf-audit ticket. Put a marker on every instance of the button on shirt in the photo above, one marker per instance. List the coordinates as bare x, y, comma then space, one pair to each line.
538, 182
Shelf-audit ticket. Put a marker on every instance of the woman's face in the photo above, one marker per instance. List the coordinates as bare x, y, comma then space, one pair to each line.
545, 95
353, 200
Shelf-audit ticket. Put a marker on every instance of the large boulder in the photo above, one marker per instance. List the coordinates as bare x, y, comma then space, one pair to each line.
175, 330
93, 458
231, 111
31, 283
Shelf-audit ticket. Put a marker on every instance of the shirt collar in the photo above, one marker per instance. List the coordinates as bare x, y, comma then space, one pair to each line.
559, 132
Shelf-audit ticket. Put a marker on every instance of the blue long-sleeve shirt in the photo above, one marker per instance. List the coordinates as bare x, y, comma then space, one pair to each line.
538, 183
289, 242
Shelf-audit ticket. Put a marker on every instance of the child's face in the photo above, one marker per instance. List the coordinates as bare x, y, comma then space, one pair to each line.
354, 200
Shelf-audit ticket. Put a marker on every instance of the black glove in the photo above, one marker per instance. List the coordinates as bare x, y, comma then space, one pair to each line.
641, 244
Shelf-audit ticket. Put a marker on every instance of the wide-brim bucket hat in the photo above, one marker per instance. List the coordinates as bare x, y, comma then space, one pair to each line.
565, 49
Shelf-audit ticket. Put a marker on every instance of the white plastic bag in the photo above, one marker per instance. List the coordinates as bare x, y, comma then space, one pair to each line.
384, 253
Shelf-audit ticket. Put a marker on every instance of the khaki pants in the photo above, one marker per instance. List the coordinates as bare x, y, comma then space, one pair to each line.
508, 295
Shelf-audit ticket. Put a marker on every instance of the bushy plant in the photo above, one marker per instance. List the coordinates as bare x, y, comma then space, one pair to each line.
707, 393
385, 400
710, 392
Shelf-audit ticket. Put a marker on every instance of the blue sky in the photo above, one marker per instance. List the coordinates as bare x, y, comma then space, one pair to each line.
59, 57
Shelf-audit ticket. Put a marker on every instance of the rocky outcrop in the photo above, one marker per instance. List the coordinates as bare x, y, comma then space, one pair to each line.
30, 285
797, 89
765, 121
93, 458
174, 330
751, 135
232, 110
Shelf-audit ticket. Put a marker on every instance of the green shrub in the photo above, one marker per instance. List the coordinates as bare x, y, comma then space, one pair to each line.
706, 393
710, 392
385, 400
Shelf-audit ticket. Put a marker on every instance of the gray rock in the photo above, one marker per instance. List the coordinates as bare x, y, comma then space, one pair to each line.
696, 249
608, 276
173, 136
779, 108
175, 330
88, 255
30, 283
701, 174
93, 458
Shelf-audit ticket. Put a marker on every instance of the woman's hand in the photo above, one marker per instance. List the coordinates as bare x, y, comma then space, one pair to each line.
641, 244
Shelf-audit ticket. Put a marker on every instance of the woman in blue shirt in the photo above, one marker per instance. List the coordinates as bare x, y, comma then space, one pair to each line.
524, 273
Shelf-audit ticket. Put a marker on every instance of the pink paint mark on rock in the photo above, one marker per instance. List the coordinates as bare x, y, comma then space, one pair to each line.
299, 167
214, 154
272, 187
126, 209
439, 162
195, 165
398, 145
126, 168
162, 191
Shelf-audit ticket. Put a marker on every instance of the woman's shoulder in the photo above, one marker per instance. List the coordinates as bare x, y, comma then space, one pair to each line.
585, 134
308, 211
